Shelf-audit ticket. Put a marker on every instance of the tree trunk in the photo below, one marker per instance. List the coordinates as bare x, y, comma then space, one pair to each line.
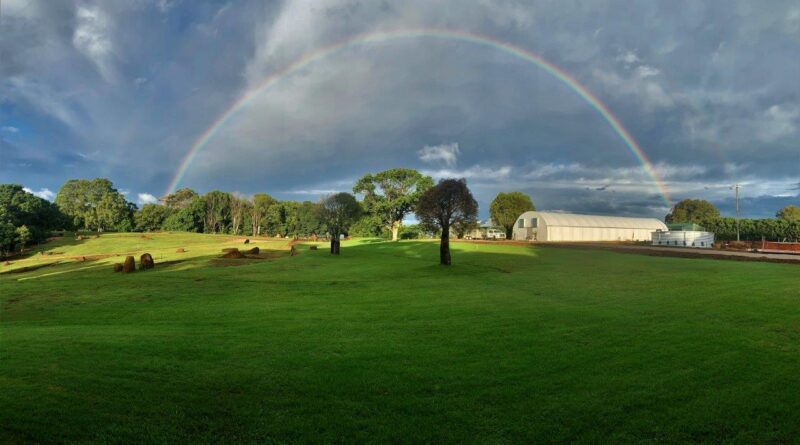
509, 232
396, 230
444, 247
338, 245
335, 244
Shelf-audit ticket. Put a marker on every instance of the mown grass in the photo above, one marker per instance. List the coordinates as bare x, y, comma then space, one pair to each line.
510, 344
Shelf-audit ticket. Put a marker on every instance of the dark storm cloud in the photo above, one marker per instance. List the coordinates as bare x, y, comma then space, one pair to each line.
123, 89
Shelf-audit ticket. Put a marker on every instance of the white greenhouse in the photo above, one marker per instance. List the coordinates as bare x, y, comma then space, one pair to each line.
550, 226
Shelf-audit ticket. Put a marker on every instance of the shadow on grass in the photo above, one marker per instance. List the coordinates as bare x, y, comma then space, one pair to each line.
422, 254
47, 248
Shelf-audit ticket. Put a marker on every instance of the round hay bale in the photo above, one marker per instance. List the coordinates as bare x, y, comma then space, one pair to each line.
254, 250
79, 238
233, 255
312, 248
230, 249
7, 263
146, 261
118, 267
180, 250
129, 265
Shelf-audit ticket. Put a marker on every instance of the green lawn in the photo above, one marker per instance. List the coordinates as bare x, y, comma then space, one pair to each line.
510, 344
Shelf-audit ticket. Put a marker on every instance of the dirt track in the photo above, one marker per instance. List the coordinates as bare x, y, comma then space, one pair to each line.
679, 252
682, 252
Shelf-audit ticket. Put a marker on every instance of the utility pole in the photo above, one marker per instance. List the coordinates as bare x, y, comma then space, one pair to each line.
736, 187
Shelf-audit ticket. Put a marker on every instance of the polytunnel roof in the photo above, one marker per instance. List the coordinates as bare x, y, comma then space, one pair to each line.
576, 220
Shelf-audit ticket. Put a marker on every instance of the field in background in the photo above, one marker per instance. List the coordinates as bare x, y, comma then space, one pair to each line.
89, 252
511, 344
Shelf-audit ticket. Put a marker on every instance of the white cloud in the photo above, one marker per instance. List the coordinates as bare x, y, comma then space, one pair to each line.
509, 14
778, 122
628, 57
9, 129
445, 153
91, 38
548, 170
674, 171
650, 93
43, 98
635, 174
164, 5
476, 172
146, 198
644, 71
20, 8
88, 156
44, 193
312, 192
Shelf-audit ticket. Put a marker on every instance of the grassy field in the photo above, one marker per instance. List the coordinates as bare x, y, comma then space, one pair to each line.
510, 344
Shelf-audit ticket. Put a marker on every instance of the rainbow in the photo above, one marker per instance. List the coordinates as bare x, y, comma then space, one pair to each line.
461, 36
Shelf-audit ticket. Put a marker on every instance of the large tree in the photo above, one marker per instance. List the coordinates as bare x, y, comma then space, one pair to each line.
151, 217
180, 199
392, 194
789, 213
506, 208
339, 211
260, 204
218, 211
692, 210
448, 204
93, 204
19, 209
307, 220
239, 206
187, 219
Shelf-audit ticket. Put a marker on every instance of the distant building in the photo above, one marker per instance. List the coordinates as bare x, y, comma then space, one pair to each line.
551, 226
487, 230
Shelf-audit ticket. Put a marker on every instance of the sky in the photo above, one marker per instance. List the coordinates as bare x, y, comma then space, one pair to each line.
123, 89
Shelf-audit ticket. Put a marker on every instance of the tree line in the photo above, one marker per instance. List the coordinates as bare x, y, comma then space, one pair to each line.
388, 197
784, 227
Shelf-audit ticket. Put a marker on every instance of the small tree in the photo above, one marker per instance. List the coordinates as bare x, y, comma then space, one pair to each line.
339, 211
506, 208
448, 204
23, 237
